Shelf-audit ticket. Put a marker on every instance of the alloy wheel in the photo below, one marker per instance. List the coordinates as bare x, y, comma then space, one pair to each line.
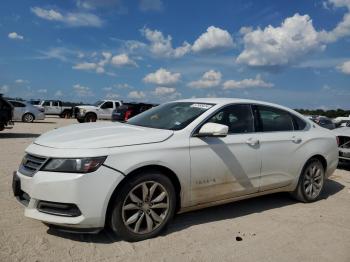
313, 181
28, 118
145, 207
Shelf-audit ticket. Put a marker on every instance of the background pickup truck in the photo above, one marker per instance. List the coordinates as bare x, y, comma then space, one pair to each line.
56, 107
6, 113
100, 110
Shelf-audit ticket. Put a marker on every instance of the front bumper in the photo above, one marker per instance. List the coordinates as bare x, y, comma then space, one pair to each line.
90, 193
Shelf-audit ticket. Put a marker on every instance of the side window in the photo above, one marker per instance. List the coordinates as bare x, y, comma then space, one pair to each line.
107, 105
117, 104
55, 103
299, 124
46, 103
273, 119
238, 118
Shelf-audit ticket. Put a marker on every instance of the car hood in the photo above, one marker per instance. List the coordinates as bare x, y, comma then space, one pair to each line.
101, 135
342, 131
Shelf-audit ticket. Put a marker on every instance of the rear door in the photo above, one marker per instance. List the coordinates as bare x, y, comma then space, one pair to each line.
280, 143
18, 110
225, 167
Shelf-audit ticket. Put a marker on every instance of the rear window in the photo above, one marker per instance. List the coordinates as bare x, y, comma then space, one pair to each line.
274, 119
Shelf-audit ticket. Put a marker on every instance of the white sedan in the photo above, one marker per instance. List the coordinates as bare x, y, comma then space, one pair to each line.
176, 157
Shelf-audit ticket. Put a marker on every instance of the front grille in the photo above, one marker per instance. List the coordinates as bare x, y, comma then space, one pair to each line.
31, 164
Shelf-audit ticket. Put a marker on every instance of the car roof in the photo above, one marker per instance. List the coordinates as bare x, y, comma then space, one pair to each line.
223, 101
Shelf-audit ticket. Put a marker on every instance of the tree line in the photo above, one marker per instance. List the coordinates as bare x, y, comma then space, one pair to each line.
328, 113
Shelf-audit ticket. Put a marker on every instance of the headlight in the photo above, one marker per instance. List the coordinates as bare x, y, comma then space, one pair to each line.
74, 165
82, 110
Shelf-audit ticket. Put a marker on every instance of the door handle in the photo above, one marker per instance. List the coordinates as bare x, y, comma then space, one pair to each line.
296, 140
252, 141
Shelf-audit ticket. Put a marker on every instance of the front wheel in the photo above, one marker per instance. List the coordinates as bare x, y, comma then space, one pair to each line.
311, 182
143, 207
28, 118
90, 117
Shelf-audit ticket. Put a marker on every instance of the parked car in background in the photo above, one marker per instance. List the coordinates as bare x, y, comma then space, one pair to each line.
339, 121
128, 110
56, 107
26, 112
175, 157
35, 102
6, 113
343, 138
323, 121
100, 110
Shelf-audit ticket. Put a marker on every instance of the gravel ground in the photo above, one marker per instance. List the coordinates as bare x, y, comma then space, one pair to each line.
269, 228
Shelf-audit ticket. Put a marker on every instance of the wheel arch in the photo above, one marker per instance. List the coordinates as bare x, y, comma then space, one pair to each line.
136, 172
30, 113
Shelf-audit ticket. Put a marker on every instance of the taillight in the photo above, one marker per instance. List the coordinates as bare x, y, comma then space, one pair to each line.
127, 115
338, 142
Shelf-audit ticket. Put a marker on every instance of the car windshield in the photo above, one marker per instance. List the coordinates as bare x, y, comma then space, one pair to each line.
98, 103
171, 116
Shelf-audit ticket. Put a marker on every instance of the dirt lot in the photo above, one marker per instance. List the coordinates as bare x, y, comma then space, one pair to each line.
272, 228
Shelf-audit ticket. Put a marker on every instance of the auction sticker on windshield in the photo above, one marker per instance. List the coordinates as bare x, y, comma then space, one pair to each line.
202, 106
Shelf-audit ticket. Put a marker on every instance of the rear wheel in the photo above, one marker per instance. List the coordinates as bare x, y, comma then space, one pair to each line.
28, 118
90, 117
311, 182
143, 207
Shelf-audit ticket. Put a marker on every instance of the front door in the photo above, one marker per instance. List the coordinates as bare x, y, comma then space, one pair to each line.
225, 167
106, 110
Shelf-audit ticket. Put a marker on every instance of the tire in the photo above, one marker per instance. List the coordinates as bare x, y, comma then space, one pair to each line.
80, 120
134, 215
2, 127
90, 117
28, 118
311, 182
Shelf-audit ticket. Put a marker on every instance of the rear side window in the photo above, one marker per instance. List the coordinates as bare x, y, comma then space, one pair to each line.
273, 119
238, 118
17, 104
46, 103
299, 124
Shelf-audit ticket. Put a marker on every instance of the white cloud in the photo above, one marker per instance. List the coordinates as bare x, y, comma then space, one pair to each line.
209, 79
42, 91
247, 83
98, 67
82, 91
162, 77
123, 60
77, 19
151, 5
213, 39
166, 93
14, 35
21, 81
85, 66
163, 90
59, 93
112, 96
278, 46
136, 95
343, 28
345, 67
4, 89
161, 46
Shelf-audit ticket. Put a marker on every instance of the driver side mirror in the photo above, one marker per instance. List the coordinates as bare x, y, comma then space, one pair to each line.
213, 129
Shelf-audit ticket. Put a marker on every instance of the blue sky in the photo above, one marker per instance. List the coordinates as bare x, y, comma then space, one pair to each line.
294, 53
